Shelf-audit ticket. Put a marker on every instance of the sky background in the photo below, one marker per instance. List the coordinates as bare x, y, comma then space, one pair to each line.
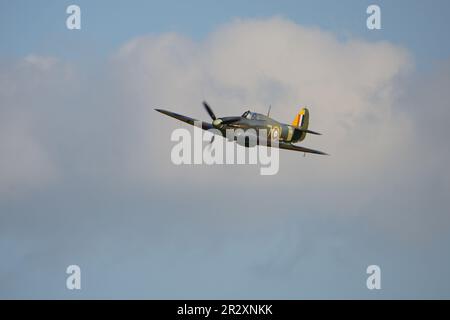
85, 170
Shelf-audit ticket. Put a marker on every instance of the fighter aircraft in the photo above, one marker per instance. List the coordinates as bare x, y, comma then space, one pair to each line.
285, 134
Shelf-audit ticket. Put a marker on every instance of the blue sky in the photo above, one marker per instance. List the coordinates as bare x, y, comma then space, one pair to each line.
40, 27
85, 167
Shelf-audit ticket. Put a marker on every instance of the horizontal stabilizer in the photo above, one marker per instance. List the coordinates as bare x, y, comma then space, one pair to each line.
308, 131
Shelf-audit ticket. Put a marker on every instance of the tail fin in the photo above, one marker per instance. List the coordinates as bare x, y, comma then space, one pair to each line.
301, 121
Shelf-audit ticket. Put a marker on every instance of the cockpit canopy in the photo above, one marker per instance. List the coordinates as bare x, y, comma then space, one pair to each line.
253, 115
247, 115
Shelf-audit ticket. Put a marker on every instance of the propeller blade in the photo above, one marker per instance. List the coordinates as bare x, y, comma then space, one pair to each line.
209, 146
209, 110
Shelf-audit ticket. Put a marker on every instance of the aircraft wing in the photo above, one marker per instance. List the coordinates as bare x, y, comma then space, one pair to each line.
289, 146
205, 125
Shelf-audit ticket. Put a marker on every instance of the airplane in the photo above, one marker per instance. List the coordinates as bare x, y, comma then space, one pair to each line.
285, 134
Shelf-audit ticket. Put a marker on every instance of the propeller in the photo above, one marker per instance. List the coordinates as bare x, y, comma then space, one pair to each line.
219, 122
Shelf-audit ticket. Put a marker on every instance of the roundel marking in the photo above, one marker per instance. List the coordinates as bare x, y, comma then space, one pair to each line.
275, 133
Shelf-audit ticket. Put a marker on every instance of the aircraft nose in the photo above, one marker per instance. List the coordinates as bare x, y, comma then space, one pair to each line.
217, 123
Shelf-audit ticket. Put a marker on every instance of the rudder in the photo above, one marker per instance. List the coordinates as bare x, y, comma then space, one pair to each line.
302, 121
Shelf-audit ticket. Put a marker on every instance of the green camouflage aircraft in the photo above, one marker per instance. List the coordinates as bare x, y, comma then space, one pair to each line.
284, 134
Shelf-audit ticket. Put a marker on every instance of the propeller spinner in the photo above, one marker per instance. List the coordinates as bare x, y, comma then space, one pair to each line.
219, 122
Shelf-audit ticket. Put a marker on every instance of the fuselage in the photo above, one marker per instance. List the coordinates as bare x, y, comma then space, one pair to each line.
286, 135
273, 129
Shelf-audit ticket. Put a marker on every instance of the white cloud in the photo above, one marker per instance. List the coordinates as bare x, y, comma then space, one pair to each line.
350, 87
110, 131
24, 162
29, 89
40, 62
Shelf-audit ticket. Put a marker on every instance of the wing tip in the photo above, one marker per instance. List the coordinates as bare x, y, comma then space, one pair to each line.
320, 153
167, 113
